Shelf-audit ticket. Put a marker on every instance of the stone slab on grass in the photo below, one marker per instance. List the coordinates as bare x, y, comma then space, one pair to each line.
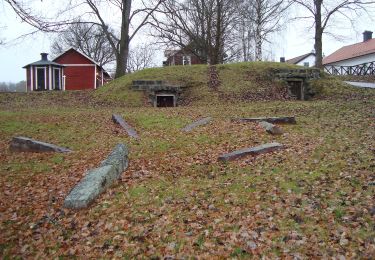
271, 128
265, 148
98, 180
195, 124
130, 130
24, 144
90, 187
119, 158
272, 120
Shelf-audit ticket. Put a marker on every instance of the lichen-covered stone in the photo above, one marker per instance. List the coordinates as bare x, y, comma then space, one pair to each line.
94, 183
118, 158
97, 180
271, 128
24, 144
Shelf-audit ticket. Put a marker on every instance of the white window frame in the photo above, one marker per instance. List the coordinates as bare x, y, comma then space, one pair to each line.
54, 79
31, 78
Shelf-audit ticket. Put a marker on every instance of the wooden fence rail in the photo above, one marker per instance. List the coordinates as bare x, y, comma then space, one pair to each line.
357, 70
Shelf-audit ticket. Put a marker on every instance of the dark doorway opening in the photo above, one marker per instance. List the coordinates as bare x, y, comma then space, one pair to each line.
56, 75
165, 101
40, 79
296, 89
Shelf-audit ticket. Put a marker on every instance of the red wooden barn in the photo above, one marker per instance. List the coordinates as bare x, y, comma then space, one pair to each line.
71, 70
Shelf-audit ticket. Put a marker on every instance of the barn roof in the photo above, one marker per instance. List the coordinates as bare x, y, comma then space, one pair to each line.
351, 51
299, 58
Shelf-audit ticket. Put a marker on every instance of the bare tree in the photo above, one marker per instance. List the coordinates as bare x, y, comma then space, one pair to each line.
87, 38
322, 12
43, 23
245, 29
265, 18
120, 46
141, 57
203, 27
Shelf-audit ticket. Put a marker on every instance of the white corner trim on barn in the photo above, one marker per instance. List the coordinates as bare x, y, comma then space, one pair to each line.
31, 79
95, 81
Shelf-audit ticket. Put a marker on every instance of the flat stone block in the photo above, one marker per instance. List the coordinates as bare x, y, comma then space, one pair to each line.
118, 158
195, 124
97, 180
130, 130
272, 120
24, 144
271, 129
90, 187
265, 148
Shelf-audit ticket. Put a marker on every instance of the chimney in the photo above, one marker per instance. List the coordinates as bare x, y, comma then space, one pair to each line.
367, 35
44, 56
282, 59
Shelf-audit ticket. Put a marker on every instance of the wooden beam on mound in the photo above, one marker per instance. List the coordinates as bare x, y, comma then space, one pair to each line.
195, 124
272, 120
130, 130
265, 148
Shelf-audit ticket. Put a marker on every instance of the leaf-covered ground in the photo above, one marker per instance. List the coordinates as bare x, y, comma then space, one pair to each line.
314, 199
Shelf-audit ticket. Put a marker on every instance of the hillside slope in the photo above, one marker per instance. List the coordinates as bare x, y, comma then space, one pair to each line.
238, 81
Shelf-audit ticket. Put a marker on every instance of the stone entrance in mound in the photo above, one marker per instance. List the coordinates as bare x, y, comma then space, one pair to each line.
298, 81
160, 93
296, 89
165, 100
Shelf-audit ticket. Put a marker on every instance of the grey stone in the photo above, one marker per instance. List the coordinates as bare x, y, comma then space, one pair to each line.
271, 129
272, 120
251, 245
119, 158
93, 184
119, 120
24, 144
195, 124
98, 180
265, 148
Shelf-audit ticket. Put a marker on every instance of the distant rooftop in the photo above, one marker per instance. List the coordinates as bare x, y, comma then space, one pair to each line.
299, 58
351, 51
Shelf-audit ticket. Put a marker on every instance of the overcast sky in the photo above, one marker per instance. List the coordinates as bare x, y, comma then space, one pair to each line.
295, 40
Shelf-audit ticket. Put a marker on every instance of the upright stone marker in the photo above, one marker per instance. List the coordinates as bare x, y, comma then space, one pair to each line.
119, 120
265, 148
24, 144
195, 124
272, 120
98, 180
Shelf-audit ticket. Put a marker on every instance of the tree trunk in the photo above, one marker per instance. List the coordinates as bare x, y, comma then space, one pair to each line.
217, 49
258, 44
123, 49
318, 34
258, 30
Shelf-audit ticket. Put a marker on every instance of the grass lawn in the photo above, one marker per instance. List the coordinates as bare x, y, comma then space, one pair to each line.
314, 199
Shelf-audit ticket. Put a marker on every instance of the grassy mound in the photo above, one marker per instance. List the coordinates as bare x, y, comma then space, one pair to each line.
237, 81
